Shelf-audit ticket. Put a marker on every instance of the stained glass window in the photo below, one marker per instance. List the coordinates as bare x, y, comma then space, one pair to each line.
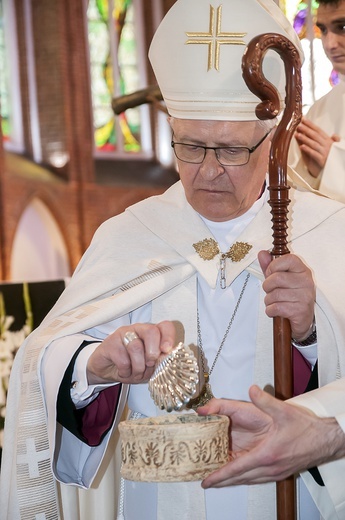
318, 77
4, 81
114, 63
10, 96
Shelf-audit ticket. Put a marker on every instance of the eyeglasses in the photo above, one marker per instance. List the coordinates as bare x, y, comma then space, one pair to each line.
226, 155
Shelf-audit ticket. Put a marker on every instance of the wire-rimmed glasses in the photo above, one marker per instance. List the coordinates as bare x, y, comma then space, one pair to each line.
226, 155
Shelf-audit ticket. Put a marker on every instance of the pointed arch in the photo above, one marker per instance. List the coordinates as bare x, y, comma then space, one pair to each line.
39, 251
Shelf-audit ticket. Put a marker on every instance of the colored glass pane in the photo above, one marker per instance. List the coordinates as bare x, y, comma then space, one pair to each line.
114, 71
4, 90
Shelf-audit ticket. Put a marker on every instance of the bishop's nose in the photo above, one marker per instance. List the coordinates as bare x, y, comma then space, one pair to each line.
210, 168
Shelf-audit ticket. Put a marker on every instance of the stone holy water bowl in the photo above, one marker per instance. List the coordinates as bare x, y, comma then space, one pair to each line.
173, 448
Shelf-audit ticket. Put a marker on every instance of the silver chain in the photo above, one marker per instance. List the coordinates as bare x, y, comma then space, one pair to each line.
226, 332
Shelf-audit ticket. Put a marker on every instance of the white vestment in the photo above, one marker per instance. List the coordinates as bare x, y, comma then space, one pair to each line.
329, 114
147, 255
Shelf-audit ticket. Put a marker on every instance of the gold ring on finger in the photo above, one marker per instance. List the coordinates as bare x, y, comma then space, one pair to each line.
128, 337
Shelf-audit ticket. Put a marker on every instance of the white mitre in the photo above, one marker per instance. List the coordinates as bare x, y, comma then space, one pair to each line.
197, 51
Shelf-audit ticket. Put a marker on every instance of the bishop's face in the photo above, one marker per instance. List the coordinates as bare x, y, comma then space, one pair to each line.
218, 192
331, 22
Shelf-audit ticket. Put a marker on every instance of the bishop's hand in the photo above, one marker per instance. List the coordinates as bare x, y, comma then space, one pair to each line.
290, 292
130, 361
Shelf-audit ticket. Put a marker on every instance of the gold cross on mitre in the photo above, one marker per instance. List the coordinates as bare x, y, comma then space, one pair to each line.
215, 38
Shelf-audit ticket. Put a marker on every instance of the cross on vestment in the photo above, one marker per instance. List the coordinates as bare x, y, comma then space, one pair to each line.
29, 372
215, 38
69, 318
32, 457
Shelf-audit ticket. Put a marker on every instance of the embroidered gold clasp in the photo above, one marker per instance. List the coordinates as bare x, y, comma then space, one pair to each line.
207, 249
238, 251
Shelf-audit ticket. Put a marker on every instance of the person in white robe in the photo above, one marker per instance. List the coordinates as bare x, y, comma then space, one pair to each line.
317, 153
201, 249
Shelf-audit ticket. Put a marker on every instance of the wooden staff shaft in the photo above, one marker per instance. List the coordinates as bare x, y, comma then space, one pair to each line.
283, 383
282, 358
283, 369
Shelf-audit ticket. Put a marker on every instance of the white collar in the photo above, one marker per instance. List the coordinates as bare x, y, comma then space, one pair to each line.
227, 232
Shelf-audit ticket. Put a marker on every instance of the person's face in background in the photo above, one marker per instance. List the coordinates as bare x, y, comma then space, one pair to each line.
331, 22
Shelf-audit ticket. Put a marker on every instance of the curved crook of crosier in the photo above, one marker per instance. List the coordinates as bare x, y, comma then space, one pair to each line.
268, 109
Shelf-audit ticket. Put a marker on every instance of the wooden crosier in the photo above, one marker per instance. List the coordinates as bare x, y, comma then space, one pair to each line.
279, 201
